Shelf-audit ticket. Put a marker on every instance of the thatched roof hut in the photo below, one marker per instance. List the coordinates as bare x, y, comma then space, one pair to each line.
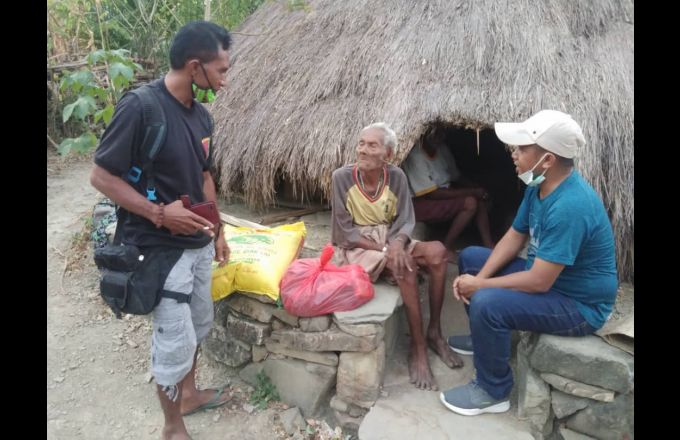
304, 81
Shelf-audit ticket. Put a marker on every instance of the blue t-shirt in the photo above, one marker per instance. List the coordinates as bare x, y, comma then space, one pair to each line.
571, 227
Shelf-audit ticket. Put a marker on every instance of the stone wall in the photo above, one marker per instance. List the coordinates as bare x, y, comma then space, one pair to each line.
336, 359
574, 388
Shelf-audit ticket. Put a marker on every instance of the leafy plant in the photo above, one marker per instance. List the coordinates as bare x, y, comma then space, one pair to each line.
94, 98
265, 391
144, 27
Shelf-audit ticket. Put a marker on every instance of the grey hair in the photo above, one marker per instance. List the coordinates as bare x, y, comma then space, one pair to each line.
389, 136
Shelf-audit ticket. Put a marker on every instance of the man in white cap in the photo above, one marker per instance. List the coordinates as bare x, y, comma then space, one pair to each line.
566, 286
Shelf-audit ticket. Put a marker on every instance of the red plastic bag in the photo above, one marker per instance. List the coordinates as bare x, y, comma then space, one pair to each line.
313, 286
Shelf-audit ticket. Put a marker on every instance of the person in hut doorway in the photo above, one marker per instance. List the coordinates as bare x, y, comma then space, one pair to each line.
198, 59
440, 192
372, 221
566, 286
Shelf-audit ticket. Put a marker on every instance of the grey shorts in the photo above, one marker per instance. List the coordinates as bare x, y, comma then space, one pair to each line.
179, 328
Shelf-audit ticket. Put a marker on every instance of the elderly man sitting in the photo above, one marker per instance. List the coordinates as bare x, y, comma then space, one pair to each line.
372, 223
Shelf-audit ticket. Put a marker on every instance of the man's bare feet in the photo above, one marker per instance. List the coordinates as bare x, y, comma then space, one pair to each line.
439, 346
419, 370
175, 434
203, 399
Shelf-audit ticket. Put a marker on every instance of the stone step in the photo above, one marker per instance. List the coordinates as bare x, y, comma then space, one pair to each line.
300, 383
387, 298
586, 359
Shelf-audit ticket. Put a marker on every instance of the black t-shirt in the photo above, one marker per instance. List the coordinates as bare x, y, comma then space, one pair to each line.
178, 168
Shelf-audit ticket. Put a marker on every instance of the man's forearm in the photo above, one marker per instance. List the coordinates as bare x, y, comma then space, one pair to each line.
506, 250
209, 187
524, 281
365, 243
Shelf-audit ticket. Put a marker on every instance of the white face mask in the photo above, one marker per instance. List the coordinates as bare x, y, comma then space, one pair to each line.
528, 176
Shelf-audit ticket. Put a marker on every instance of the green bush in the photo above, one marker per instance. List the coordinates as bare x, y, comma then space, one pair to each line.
93, 98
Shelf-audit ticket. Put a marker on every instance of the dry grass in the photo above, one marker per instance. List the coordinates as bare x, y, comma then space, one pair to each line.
303, 84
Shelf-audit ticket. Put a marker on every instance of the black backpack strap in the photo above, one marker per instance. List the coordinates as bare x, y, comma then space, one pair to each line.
121, 217
155, 132
211, 127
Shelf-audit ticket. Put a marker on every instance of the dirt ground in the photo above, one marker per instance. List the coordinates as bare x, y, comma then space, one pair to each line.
98, 380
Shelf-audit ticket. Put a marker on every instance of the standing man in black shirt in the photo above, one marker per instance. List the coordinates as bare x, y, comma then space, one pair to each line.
198, 59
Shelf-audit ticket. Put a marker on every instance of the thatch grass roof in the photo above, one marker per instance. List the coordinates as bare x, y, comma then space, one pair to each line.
304, 82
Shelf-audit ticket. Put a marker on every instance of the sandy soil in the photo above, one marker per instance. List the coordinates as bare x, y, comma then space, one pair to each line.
98, 380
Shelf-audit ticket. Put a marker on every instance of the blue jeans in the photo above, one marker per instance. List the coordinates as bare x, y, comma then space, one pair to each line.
494, 312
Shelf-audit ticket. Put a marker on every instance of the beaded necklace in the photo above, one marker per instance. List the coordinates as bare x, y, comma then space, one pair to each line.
377, 189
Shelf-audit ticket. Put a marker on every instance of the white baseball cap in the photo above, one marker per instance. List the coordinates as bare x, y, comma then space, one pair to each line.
554, 131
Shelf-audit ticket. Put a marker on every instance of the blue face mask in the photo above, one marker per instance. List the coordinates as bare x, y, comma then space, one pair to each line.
528, 176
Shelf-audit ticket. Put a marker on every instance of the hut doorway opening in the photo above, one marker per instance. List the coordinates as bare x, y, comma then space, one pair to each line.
483, 160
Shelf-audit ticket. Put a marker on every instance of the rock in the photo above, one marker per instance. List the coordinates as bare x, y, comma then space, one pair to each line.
216, 417
387, 298
391, 330
259, 353
292, 420
59, 379
278, 325
360, 376
148, 377
564, 405
249, 373
579, 389
330, 340
614, 420
347, 422
221, 312
251, 307
320, 357
568, 434
259, 298
227, 350
315, 324
359, 329
338, 404
286, 317
246, 330
357, 411
298, 386
586, 359
247, 407
533, 393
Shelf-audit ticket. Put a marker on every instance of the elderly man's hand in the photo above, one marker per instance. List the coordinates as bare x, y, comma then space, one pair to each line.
398, 259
